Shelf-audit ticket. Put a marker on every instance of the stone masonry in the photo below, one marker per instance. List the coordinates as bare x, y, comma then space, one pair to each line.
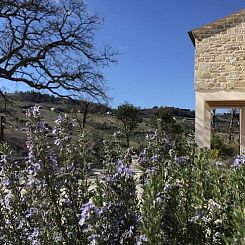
220, 54
219, 72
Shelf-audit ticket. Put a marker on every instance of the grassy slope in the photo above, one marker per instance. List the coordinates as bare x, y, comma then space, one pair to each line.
99, 126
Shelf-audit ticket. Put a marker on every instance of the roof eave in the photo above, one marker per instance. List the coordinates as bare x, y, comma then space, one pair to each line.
192, 38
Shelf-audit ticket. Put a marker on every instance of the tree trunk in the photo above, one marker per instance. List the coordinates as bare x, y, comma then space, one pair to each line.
85, 113
5, 104
126, 133
127, 140
233, 112
1, 128
213, 121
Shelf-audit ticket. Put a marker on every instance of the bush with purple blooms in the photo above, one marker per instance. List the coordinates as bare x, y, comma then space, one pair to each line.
189, 199
166, 197
41, 197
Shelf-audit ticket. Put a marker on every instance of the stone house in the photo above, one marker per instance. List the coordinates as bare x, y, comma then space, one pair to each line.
219, 72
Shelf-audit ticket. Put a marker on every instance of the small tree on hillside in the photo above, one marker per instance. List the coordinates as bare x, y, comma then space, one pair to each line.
129, 115
233, 112
84, 108
163, 118
213, 119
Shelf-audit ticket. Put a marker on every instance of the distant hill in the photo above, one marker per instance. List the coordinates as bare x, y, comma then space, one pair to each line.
176, 112
101, 121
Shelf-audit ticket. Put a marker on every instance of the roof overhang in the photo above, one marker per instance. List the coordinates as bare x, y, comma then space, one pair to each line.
192, 37
220, 24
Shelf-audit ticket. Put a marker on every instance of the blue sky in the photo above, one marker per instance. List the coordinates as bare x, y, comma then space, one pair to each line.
156, 61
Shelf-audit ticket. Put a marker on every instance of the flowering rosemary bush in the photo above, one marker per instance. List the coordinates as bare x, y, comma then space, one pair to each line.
178, 197
187, 199
41, 197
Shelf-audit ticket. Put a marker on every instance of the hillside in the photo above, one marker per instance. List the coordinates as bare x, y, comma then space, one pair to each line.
101, 121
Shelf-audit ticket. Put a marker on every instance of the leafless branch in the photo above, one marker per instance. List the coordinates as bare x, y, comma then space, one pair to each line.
50, 45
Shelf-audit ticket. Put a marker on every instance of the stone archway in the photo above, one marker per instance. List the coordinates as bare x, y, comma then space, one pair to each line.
219, 72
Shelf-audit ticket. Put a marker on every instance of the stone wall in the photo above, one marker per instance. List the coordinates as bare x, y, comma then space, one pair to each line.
220, 55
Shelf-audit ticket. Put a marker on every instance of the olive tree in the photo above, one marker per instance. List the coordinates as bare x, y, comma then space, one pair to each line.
129, 115
50, 45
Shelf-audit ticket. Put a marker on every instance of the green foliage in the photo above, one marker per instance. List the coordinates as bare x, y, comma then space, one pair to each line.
163, 116
5, 148
187, 199
129, 115
179, 196
238, 221
214, 154
36, 97
162, 119
225, 148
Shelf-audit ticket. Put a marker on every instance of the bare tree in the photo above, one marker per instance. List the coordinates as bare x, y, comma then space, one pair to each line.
233, 112
49, 44
5, 99
81, 107
2, 122
213, 119
85, 110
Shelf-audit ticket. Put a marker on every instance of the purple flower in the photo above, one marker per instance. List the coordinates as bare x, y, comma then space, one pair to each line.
150, 170
93, 239
142, 156
33, 236
213, 205
66, 201
87, 209
7, 200
53, 159
130, 233
30, 212
154, 158
59, 120
31, 180
180, 160
41, 127
125, 170
141, 239
36, 166
5, 182
58, 237
200, 216
238, 162
33, 112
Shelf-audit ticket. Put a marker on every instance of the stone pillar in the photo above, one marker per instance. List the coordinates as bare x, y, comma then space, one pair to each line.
242, 130
202, 122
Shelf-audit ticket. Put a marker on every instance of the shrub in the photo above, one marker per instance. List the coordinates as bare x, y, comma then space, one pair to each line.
225, 149
181, 198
